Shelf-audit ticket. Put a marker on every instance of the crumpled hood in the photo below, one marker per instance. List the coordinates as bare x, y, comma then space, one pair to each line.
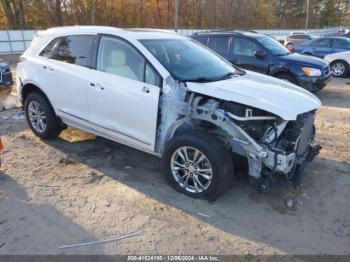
261, 91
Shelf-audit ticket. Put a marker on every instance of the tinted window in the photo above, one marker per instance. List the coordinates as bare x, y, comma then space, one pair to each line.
219, 43
201, 39
341, 43
303, 37
46, 52
324, 42
119, 58
75, 49
243, 46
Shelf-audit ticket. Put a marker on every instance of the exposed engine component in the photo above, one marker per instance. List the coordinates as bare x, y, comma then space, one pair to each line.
274, 148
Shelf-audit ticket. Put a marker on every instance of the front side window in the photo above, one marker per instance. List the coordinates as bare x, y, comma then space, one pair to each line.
341, 43
74, 49
46, 52
186, 60
119, 58
219, 44
246, 47
151, 76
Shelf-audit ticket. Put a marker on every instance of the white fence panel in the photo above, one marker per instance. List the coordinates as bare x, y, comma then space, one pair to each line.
15, 41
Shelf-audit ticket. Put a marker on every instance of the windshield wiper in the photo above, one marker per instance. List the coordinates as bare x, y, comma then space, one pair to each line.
198, 79
209, 79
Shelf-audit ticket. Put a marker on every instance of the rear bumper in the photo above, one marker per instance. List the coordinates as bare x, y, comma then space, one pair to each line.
314, 84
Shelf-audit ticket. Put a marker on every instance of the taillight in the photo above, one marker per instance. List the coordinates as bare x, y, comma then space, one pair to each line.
1, 145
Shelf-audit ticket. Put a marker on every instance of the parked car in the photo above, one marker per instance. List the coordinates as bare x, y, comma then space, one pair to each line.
324, 46
169, 96
298, 38
5, 74
339, 63
266, 55
342, 31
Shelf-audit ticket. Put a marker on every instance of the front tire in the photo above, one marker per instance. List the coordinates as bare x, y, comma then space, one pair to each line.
41, 116
288, 78
198, 164
339, 68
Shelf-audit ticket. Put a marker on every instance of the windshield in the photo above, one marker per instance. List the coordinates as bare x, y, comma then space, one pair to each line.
275, 47
187, 60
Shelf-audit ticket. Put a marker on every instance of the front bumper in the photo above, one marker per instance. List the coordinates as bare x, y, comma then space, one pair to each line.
314, 83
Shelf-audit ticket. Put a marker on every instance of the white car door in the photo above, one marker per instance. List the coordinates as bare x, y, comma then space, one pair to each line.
123, 94
67, 72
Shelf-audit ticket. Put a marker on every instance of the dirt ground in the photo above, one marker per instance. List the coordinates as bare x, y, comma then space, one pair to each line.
80, 188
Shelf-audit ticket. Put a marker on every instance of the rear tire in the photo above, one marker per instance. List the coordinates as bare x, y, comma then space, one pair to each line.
339, 68
41, 117
214, 171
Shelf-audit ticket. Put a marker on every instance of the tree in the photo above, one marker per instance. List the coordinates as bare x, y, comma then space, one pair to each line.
15, 13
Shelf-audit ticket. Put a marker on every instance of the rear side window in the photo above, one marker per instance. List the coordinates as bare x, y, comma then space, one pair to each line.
303, 37
325, 42
201, 39
46, 52
219, 44
74, 49
341, 43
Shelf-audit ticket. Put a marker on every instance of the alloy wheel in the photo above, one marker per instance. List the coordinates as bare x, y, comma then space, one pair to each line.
37, 116
338, 69
191, 169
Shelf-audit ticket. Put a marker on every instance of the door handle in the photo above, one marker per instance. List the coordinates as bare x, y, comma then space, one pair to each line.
146, 89
48, 67
98, 86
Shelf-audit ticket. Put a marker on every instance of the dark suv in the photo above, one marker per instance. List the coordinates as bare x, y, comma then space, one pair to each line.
264, 54
5, 74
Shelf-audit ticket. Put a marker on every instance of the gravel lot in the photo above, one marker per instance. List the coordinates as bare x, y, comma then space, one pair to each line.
80, 188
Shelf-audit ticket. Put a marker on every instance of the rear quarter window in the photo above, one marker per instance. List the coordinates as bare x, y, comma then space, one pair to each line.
46, 52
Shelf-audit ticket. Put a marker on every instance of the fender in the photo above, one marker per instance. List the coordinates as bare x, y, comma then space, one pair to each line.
275, 70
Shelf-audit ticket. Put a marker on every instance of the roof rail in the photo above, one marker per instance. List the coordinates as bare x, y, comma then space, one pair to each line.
228, 31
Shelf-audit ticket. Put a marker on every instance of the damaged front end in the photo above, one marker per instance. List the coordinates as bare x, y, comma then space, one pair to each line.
275, 149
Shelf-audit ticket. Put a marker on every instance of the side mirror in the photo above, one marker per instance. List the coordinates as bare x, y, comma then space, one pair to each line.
260, 54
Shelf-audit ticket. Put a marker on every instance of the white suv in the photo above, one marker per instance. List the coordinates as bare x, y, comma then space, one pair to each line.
168, 95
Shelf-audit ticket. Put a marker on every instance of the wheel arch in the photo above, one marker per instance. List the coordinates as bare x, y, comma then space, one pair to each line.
340, 60
30, 87
285, 71
183, 125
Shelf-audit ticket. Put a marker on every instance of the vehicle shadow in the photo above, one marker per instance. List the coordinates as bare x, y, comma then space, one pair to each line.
242, 211
29, 228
